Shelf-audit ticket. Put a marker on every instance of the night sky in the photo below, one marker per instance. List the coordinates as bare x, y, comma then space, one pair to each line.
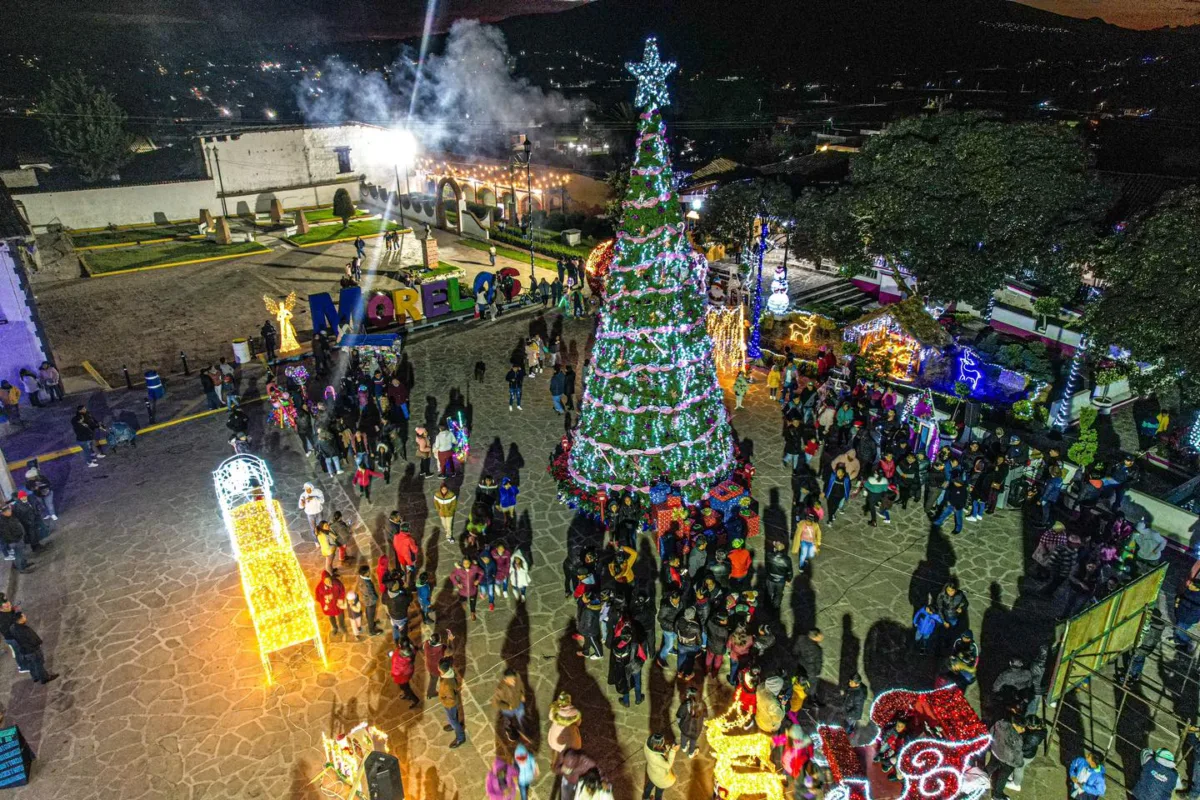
318, 19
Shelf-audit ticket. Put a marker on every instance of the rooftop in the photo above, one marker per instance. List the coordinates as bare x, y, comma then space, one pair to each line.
12, 226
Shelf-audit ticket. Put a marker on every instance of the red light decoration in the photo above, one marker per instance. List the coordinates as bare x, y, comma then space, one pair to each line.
946, 735
597, 264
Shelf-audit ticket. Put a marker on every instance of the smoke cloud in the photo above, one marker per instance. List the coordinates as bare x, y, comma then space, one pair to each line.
466, 96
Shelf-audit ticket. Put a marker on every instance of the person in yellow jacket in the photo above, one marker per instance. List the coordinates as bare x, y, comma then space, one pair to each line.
774, 379
622, 566
10, 397
806, 541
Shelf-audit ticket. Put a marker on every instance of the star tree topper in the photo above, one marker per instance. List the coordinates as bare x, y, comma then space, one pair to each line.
651, 73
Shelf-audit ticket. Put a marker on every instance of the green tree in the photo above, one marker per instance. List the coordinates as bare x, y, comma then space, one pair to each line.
343, 206
1151, 302
729, 211
618, 185
85, 125
654, 409
963, 201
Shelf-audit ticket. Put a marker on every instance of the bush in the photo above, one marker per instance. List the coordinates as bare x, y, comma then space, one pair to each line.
1083, 452
479, 210
575, 219
556, 222
343, 206
1023, 410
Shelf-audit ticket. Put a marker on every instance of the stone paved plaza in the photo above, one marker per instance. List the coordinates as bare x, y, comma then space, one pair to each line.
162, 695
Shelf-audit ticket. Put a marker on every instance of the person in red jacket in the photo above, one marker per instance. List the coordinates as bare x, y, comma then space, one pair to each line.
466, 578
331, 597
402, 671
740, 560
435, 650
362, 479
406, 549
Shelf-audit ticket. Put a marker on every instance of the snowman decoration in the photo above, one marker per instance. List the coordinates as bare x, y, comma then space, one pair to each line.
778, 302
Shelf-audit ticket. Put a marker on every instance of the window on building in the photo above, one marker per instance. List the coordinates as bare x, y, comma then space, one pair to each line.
343, 156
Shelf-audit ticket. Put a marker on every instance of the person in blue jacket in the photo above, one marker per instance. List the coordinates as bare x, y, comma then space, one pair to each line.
1087, 778
925, 624
508, 499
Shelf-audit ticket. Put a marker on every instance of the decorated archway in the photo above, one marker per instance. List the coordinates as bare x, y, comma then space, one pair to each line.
468, 192
486, 196
454, 197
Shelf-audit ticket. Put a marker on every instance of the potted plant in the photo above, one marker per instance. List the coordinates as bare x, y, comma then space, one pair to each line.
1105, 378
1044, 308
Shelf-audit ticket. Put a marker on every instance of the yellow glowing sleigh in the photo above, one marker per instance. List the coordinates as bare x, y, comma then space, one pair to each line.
277, 593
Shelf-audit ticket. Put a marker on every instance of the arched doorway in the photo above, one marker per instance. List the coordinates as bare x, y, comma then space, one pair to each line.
447, 204
486, 196
468, 192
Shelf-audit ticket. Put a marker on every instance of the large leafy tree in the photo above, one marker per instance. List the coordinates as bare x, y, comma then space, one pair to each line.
86, 126
963, 201
1151, 301
730, 211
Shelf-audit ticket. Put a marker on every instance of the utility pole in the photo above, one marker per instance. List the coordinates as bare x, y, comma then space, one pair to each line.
220, 182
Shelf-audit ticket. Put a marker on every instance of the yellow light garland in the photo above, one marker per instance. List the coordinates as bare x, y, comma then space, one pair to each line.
743, 765
727, 329
277, 594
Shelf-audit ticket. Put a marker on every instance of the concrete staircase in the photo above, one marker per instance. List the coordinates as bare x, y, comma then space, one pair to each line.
838, 292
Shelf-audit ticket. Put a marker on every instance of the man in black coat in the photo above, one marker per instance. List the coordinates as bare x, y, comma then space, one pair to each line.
29, 645
810, 658
779, 573
12, 533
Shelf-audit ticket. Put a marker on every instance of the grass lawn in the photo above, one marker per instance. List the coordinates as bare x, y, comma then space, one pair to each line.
129, 235
326, 233
508, 252
123, 258
325, 214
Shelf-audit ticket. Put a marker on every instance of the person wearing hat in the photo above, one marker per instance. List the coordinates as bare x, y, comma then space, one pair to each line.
740, 561
964, 660
1159, 777
36, 529
660, 764
39, 486
563, 733
527, 769
1062, 564
957, 495
450, 696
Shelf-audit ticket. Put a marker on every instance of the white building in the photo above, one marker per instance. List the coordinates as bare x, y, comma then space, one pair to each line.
22, 340
302, 165
238, 172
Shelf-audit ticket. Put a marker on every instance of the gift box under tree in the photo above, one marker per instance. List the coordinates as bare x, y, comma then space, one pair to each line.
724, 498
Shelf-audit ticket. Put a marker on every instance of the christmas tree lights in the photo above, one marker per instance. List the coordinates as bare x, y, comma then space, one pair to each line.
754, 349
277, 594
652, 406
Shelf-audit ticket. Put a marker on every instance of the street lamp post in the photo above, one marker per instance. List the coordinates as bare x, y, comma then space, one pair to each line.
523, 156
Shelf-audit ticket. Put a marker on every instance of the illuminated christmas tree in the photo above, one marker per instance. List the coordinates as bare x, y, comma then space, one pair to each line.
652, 407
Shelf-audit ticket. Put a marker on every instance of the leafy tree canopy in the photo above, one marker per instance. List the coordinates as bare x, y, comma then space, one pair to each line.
729, 212
343, 206
85, 125
963, 201
1151, 303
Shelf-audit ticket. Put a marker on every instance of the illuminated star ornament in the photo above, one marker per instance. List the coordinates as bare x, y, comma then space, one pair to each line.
651, 74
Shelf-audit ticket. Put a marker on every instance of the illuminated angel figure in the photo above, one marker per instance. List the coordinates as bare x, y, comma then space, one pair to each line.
283, 319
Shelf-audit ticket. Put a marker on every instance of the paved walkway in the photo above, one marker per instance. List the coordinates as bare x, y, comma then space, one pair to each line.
162, 694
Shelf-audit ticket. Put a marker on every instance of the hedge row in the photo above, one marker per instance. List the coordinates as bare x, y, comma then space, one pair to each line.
552, 249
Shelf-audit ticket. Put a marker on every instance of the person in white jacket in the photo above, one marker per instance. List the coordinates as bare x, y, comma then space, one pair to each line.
443, 448
312, 503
